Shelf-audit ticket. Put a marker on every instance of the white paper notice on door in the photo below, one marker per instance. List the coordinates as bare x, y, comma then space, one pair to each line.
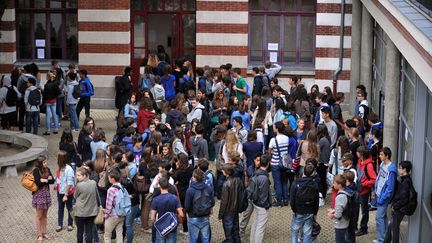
40, 53
273, 56
273, 46
40, 43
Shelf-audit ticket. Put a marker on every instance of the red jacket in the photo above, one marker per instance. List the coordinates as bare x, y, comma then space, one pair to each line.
368, 181
143, 118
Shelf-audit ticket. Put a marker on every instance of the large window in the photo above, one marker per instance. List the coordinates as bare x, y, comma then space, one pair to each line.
282, 31
379, 70
47, 29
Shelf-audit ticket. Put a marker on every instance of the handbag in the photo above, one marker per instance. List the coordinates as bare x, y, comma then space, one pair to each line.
316, 228
100, 217
77, 158
28, 181
166, 223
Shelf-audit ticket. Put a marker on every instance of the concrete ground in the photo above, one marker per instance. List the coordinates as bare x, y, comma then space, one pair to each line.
17, 217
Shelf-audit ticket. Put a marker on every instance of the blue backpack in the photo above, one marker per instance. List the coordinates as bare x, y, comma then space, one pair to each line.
123, 202
248, 90
145, 83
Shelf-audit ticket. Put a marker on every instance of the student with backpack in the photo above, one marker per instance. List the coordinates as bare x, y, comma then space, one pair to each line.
199, 144
230, 204
353, 204
158, 92
50, 93
363, 111
366, 165
260, 194
32, 100
87, 91
343, 211
118, 206
73, 94
383, 191
9, 96
404, 202
199, 202
209, 178
304, 204
147, 79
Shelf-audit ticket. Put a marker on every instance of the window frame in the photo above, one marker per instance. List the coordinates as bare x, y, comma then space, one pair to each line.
298, 13
47, 11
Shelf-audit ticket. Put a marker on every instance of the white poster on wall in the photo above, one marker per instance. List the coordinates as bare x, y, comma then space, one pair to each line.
40, 43
273, 46
40, 53
273, 56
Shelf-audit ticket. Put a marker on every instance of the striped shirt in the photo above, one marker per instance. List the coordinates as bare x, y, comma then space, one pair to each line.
283, 142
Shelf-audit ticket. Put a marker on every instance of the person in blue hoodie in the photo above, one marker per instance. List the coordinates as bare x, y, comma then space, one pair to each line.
86, 92
383, 191
199, 210
131, 108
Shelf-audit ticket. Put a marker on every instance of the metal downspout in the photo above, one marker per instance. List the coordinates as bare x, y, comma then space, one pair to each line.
341, 48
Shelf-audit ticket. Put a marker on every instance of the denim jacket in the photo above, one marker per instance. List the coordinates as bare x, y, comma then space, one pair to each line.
66, 179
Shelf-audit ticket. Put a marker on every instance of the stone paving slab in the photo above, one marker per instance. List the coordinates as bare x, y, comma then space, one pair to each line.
17, 217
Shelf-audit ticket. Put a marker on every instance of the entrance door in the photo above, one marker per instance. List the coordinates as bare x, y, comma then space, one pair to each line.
170, 23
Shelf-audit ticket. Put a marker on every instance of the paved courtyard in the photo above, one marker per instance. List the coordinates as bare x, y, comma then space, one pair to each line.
17, 217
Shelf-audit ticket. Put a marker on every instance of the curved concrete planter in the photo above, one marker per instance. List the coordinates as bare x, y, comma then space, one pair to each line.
36, 146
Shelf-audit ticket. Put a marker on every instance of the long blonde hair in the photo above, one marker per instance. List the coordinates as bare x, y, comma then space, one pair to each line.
231, 141
100, 161
153, 60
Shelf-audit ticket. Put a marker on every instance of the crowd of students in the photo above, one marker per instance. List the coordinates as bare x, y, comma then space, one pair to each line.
157, 165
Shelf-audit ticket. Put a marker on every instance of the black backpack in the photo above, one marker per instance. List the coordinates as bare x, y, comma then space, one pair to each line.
76, 92
412, 203
252, 189
34, 98
202, 203
242, 197
206, 120
306, 194
350, 208
365, 117
22, 88
11, 96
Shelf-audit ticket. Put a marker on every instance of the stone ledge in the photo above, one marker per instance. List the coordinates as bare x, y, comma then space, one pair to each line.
36, 146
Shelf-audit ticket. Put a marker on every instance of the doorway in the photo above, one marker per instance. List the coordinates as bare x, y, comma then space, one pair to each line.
167, 23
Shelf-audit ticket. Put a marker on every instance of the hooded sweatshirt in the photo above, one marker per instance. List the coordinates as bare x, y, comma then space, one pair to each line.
199, 147
70, 87
4, 109
173, 117
367, 181
194, 187
385, 183
144, 116
195, 113
26, 96
342, 221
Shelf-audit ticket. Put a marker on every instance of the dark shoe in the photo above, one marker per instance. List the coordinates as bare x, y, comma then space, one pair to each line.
55, 132
285, 203
59, 228
361, 232
276, 204
46, 133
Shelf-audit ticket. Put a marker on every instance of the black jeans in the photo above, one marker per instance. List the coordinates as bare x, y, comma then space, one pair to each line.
21, 109
231, 228
392, 234
84, 102
85, 224
364, 205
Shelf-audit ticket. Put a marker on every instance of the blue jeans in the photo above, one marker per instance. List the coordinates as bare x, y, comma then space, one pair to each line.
299, 221
280, 183
170, 238
340, 235
74, 121
129, 222
381, 222
61, 205
32, 119
199, 228
51, 109
59, 107
231, 228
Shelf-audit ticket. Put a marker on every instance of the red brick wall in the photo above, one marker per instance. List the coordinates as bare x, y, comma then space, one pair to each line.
222, 6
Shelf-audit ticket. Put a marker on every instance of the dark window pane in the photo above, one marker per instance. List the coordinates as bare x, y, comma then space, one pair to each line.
172, 5
274, 4
256, 5
24, 41
307, 38
408, 102
155, 5
56, 3
40, 26
137, 4
256, 38
429, 121
71, 3
71, 37
56, 39
24, 4
39, 4
189, 31
189, 55
308, 5
290, 37
290, 5
188, 4
139, 31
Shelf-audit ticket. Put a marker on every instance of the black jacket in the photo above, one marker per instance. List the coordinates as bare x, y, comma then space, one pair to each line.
402, 195
51, 90
84, 146
230, 197
257, 85
262, 194
123, 91
38, 177
299, 207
